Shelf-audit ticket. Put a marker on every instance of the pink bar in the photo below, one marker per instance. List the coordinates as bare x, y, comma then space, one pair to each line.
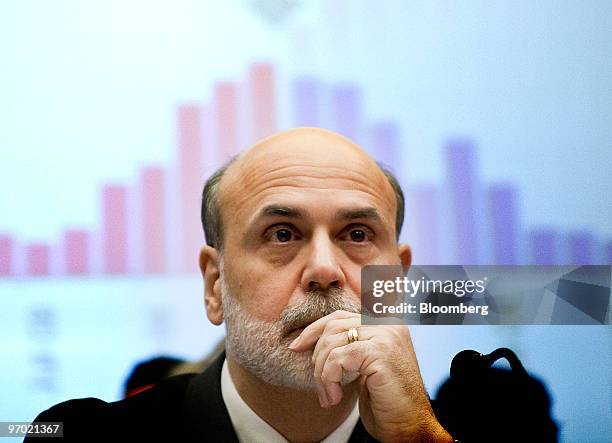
263, 100
37, 259
6, 255
76, 255
114, 222
153, 221
190, 148
227, 120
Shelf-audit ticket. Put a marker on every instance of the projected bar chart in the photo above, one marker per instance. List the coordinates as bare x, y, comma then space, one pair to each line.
226, 107
423, 207
580, 247
544, 246
346, 110
503, 214
263, 100
6, 256
383, 144
76, 252
114, 224
462, 188
455, 221
37, 256
306, 95
189, 157
152, 181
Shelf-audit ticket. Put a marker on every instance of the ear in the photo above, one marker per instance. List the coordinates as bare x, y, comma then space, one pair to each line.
405, 255
209, 266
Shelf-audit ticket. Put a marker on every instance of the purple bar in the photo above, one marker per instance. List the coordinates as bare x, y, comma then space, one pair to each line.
306, 102
6, 255
609, 253
37, 259
384, 144
461, 170
580, 245
153, 220
425, 213
503, 215
346, 105
544, 246
115, 229
76, 252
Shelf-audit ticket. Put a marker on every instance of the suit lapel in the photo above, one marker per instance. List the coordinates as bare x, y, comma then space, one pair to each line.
204, 413
360, 435
205, 417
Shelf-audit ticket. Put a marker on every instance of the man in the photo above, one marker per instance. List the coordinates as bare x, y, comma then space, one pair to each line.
289, 224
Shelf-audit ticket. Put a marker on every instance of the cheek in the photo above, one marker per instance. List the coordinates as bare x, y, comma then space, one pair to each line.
353, 272
265, 290
353, 282
264, 294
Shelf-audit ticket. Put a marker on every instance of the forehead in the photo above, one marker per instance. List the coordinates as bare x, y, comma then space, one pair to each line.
304, 167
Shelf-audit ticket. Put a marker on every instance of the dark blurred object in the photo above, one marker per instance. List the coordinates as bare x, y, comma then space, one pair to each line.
149, 372
479, 403
470, 361
195, 367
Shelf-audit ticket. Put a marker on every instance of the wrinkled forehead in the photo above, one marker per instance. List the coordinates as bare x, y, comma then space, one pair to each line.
299, 163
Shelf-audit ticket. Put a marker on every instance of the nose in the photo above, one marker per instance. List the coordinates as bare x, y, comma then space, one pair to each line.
322, 269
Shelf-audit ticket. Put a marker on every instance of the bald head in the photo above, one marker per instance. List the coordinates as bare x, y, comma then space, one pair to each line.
300, 148
299, 159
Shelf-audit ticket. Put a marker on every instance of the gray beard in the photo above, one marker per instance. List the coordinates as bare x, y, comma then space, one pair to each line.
261, 347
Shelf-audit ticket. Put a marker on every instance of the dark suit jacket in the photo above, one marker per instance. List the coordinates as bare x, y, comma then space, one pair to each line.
184, 408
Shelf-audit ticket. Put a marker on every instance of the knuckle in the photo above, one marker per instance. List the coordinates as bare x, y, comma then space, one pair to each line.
335, 354
325, 341
336, 314
354, 352
318, 374
334, 325
329, 326
379, 348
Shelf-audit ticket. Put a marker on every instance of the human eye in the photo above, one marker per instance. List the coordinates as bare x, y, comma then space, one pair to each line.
282, 233
357, 234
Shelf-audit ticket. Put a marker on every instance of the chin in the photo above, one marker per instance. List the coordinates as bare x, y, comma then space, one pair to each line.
297, 373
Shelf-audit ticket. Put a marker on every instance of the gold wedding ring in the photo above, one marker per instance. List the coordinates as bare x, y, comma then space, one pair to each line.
352, 335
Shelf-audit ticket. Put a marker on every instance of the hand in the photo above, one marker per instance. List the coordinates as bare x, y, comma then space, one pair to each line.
393, 403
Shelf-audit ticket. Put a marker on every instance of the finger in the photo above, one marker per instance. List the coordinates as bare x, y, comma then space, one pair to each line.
323, 398
349, 358
312, 332
324, 347
329, 342
332, 328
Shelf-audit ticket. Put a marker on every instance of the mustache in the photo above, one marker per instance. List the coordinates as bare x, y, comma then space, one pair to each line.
318, 303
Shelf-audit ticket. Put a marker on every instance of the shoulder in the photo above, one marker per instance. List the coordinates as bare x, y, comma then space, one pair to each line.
151, 413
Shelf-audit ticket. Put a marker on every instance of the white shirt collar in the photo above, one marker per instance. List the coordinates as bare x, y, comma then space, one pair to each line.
251, 428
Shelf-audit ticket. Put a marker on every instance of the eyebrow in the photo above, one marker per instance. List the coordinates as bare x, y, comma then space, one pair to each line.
281, 210
358, 213
296, 213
